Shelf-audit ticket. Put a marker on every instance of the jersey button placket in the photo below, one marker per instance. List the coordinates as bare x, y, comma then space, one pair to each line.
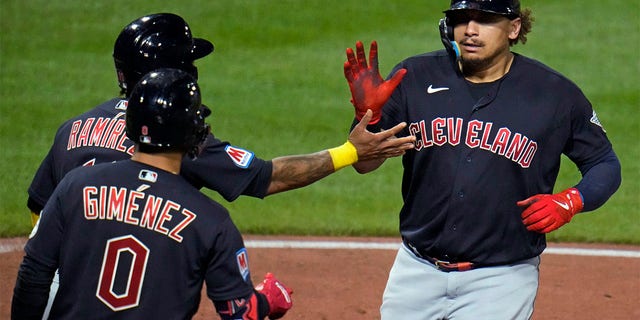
457, 208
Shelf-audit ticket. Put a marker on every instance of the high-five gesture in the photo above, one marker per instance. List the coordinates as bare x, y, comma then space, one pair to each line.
368, 89
379, 145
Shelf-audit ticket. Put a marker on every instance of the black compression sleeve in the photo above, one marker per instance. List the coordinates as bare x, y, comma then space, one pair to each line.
263, 304
600, 181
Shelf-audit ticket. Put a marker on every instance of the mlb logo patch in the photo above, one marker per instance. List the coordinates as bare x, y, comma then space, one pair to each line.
242, 158
243, 263
148, 175
122, 105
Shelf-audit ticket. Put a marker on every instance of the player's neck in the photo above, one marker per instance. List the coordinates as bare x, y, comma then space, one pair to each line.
169, 161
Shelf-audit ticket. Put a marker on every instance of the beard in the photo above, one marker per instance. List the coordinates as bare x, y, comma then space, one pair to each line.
473, 65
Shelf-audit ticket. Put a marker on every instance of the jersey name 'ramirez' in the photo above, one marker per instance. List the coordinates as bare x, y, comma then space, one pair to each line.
514, 146
136, 208
100, 132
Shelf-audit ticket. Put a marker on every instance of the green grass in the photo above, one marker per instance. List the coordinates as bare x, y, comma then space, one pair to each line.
275, 85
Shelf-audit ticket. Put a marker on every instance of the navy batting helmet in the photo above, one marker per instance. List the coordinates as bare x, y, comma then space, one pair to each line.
509, 8
161, 40
165, 112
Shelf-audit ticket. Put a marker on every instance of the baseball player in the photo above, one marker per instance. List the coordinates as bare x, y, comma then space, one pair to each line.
154, 238
165, 40
491, 126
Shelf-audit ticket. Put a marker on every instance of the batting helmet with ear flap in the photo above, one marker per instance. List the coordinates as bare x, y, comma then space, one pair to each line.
161, 40
165, 112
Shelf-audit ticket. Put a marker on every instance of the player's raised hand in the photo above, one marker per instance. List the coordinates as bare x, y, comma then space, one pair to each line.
277, 294
368, 89
547, 212
379, 145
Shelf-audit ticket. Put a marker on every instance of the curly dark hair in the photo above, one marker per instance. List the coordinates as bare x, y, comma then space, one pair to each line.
527, 21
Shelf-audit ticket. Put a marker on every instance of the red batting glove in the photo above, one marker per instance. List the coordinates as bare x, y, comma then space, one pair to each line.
368, 89
278, 296
547, 212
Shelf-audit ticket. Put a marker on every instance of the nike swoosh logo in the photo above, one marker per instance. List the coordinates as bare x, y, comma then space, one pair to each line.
431, 89
561, 204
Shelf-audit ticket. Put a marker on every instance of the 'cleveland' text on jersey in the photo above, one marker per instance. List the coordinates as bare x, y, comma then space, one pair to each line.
514, 146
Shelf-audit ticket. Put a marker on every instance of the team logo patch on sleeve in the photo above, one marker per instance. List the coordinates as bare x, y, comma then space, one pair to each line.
241, 157
596, 121
243, 263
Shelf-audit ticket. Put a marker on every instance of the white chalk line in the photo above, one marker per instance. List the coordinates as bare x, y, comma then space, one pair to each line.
307, 244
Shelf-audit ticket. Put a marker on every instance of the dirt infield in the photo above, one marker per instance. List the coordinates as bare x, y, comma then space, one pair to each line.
348, 283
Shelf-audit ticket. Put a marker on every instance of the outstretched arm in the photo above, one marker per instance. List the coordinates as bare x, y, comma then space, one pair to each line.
291, 172
368, 166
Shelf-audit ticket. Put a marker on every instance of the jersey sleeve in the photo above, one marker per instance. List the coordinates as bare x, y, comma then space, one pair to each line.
31, 290
588, 140
592, 152
229, 170
40, 262
42, 185
228, 276
46, 237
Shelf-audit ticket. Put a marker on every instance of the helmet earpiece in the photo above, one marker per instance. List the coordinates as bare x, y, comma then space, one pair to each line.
446, 35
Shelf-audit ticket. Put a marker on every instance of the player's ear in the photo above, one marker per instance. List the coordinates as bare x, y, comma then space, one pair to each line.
514, 28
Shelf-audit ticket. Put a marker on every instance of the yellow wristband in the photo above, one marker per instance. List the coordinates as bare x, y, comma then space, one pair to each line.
343, 155
34, 219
